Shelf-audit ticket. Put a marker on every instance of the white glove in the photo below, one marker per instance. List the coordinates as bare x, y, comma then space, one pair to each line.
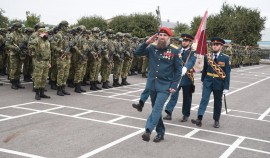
225, 91
184, 70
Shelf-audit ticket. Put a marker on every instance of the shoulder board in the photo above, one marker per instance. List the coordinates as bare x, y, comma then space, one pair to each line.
174, 46
225, 54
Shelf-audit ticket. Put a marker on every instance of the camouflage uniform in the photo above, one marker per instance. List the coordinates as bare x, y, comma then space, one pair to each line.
117, 59
107, 58
42, 58
62, 43
14, 39
128, 57
81, 58
95, 58
2, 52
27, 65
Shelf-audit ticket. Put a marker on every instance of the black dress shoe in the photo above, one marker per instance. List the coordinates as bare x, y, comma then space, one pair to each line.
216, 125
184, 119
139, 107
158, 138
146, 136
167, 117
197, 122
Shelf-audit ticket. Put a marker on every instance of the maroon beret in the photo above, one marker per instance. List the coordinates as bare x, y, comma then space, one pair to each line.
166, 30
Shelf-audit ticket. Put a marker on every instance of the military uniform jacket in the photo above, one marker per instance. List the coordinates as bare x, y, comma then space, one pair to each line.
188, 64
217, 83
42, 49
164, 64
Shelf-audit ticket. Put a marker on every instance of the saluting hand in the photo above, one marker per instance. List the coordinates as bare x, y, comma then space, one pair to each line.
151, 39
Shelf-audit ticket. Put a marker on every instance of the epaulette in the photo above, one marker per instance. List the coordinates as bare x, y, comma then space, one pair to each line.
174, 46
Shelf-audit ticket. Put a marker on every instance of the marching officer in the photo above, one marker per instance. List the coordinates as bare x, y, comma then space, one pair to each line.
216, 79
187, 81
164, 75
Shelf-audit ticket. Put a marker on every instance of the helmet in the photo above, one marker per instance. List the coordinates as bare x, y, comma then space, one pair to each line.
16, 24
81, 28
63, 23
3, 30
109, 31
119, 34
95, 29
128, 35
28, 29
39, 25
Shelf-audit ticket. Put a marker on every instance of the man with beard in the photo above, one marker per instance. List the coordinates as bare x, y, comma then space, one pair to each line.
164, 75
216, 79
187, 81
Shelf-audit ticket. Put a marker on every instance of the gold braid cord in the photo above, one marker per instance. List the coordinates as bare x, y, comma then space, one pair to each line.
214, 65
190, 75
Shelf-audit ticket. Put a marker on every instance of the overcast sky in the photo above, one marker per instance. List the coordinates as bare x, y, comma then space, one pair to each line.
53, 11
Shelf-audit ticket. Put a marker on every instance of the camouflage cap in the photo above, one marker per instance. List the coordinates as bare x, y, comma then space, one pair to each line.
81, 28
28, 29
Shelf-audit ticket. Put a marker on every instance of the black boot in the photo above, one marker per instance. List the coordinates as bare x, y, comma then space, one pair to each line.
77, 88
70, 83
139, 106
144, 75
13, 84
37, 96
95, 84
115, 83
124, 82
108, 84
18, 84
53, 85
59, 91
105, 85
81, 89
84, 83
139, 71
42, 95
64, 91
92, 86
1, 72
27, 78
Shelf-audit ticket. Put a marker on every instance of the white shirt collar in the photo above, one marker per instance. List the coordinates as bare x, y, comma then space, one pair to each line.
217, 55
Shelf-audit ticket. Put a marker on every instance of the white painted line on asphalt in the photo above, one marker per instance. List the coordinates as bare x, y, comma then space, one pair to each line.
17, 105
19, 153
98, 150
231, 149
83, 113
250, 149
240, 81
244, 77
191, 133
20, 116
247, 86
1, 115
116, 119
264, 114
245, 69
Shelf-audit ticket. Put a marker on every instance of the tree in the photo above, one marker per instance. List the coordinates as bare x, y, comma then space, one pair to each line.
140, 25
195, 23
31, 19
181, 28
3, 19
93, 21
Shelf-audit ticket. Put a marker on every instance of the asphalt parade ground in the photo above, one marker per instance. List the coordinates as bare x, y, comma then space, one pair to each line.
103, 124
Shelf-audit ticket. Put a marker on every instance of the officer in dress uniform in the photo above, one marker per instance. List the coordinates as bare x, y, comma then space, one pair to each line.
187, 81
164, 75
215, 78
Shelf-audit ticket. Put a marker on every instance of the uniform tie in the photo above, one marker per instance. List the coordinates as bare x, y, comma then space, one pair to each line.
215, 59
